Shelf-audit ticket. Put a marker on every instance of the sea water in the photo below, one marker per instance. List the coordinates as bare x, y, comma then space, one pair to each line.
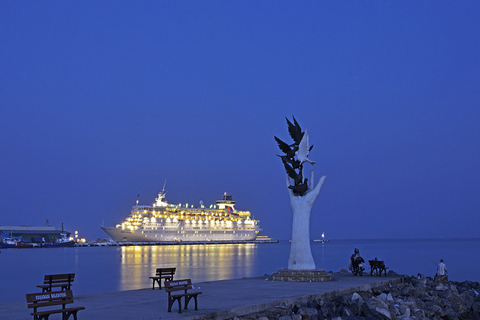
103, 269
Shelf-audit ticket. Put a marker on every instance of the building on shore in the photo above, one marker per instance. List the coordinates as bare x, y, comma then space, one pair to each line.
32, 234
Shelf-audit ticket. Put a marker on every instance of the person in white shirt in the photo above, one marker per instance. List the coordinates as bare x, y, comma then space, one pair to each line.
441, 275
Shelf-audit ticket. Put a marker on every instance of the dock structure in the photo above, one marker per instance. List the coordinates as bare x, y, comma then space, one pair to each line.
220, 299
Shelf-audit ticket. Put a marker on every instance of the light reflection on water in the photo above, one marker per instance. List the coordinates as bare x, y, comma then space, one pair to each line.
198, 262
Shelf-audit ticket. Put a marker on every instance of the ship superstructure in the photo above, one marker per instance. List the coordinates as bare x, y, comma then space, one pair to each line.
164, 222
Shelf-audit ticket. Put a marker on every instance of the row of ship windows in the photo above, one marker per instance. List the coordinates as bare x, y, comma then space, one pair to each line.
196, 232
194, 228
206, 235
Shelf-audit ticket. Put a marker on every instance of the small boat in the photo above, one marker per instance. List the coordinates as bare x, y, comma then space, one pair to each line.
15, 243
8, 243
323, 240
63, 241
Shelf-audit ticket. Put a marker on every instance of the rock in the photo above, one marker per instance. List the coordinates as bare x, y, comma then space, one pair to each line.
297, 317
454, 288
313, 304
476, 307
285, 318
450, 314
390, 297
382, 297
404, 310
384, 312
346, 313
378, 302
433, 309
356, 297
440, 287
263, 318
369, 313
327, 309
473, 293
425, 297
308, 313
394, 311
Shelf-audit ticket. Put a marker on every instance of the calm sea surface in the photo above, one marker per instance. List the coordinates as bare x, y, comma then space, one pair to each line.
101, 269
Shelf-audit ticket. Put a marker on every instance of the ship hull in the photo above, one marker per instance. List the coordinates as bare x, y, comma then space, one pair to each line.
59, 244
126, 235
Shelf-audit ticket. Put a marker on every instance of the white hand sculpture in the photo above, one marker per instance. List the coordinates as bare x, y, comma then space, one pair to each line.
300, 252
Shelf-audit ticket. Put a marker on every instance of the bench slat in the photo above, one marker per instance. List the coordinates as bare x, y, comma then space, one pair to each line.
40, 313
49, 299
180, 285
377, 267
162, 273
63, 281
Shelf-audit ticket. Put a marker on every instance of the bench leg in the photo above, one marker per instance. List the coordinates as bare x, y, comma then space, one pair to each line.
171, 301
159, 283
187, 300
67, 315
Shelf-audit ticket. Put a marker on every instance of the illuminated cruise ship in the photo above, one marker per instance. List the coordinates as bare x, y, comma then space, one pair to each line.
164, 222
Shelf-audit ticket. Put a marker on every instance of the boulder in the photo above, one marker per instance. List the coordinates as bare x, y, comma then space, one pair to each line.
356, 297
404, 310
384, 312
382, 297
389, 297
308, 313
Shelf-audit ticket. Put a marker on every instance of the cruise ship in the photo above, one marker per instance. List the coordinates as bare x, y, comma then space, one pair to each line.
164, 222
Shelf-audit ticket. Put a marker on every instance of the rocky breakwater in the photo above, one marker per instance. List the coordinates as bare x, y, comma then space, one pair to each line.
415, 298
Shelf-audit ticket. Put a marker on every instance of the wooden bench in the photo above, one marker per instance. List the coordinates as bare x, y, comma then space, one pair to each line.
377, 267
53, 300
162, 273
178, 289
62, 281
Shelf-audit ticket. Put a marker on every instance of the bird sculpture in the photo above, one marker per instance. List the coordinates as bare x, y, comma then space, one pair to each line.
296, 154
304, 150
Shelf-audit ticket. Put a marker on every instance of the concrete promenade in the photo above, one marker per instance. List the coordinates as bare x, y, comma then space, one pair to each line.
220, 299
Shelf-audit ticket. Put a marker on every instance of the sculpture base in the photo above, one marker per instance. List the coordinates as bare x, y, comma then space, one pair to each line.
302, 275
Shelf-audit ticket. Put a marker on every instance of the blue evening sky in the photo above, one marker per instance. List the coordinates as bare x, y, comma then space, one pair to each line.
104, 100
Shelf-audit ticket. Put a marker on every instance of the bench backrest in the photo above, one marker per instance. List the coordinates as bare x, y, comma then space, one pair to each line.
36, 300
377, 263
177, 285
59, 278
165, 271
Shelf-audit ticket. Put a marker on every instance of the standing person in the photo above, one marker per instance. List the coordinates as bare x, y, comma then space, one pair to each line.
441, 275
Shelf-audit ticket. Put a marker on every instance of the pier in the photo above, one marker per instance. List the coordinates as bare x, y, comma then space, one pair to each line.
220, 299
